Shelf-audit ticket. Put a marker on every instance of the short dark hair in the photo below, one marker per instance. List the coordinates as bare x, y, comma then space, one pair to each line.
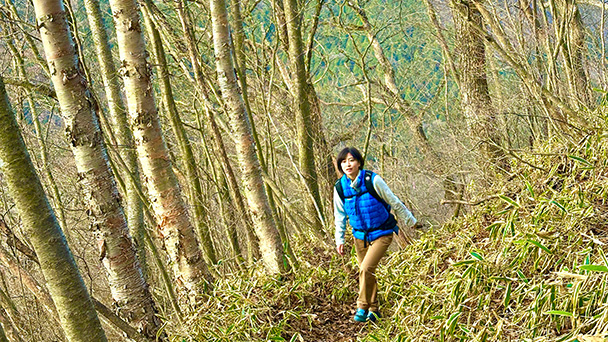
342, 156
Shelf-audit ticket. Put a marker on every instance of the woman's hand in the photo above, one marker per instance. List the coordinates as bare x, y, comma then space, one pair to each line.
340, 249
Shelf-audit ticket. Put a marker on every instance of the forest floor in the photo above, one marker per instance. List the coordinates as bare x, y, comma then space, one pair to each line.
328, 318
331, 322
529, 264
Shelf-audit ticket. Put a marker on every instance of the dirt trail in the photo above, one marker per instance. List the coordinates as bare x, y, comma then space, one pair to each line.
333, 323
330, 320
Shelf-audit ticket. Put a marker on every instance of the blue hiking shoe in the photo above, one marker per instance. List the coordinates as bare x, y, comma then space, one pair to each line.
373, 316
360, 315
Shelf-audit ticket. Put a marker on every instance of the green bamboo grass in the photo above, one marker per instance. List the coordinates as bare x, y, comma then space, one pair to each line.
528, 264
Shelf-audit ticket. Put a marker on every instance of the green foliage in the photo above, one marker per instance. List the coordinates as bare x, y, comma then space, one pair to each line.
251, 306
527, 264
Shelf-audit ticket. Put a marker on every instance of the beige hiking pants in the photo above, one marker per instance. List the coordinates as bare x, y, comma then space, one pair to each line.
368, 258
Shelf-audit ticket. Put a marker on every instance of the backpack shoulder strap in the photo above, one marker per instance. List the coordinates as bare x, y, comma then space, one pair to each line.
340, 189
369, 185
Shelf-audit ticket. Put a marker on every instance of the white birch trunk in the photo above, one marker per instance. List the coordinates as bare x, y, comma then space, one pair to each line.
118, 119
175, 227
270, 242
128, 287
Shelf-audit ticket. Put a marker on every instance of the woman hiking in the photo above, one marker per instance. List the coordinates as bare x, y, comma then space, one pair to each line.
366, 200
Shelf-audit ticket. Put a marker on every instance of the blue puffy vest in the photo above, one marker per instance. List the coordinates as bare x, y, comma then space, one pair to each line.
369, 217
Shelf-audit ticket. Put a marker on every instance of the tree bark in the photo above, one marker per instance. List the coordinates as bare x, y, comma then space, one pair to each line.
270, 242
186, 154
252, 242
129, 289
304, 125
476, 101
175, 227
69, 293
118, 119
240, 68
574, 55
44, 156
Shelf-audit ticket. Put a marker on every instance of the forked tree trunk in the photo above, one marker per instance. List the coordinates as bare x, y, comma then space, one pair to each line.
175, 227
574, 54
118, 119
476, 101
129, 289
302, 113
270, 242
70, 295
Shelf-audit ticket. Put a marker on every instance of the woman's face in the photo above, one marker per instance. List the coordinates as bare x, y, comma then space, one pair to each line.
350, 166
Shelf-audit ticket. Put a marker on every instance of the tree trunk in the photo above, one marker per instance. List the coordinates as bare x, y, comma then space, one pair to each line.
42, 295
58, 204
240, 68
176, 229
118, 119
252, 241
476, 102
129, 289
69, 293
186, 154
574, 54
270, 242
305, 133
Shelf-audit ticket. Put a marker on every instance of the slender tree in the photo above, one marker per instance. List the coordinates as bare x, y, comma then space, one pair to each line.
118, 119
70, 295
302, 113
186, 154
574, 54
270, 242
178, 233
42, 145
129, 289
199, 79
240, 68
476, 101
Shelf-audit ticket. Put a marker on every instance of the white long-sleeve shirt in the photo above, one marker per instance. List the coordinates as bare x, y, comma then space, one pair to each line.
404, 215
